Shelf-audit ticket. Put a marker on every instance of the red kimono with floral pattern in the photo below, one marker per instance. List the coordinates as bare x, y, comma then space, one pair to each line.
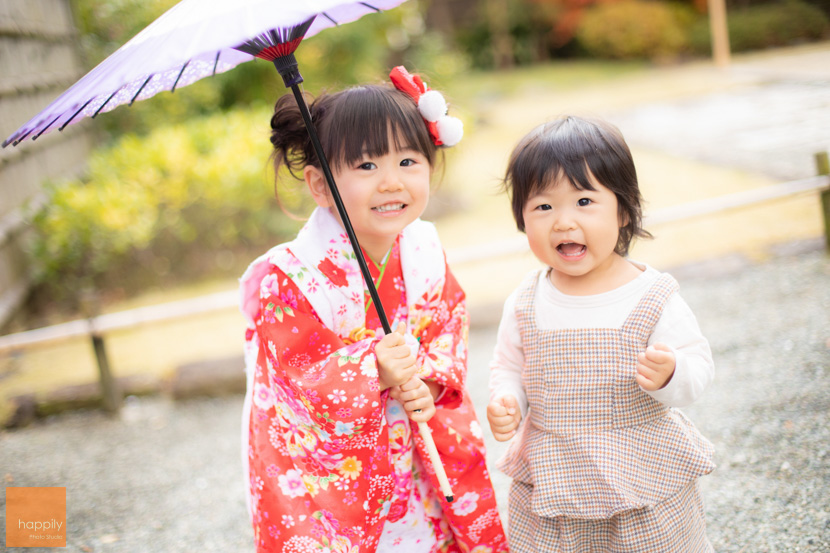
329, 465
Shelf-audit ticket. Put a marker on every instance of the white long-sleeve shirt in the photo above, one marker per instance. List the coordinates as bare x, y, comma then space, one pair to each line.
677, 328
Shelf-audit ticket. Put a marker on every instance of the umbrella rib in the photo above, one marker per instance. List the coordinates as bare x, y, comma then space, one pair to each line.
371, 7
97, 111
22, 138
65, 123
327, 16
216, 63
141, 88
175, 84
35, 137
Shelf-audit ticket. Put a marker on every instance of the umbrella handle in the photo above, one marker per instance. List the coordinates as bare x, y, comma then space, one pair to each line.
426, 435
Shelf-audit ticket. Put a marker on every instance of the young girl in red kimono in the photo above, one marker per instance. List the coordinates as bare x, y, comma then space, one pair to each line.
334, 463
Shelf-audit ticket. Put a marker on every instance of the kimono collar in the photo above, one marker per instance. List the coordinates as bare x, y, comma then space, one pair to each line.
322, 263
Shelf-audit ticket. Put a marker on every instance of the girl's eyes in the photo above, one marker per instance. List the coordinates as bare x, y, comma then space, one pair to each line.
369, 165
582, 202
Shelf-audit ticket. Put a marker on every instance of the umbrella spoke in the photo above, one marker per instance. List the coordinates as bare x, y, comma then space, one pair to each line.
22, 138
140, 89
65, 123
97, 111
371, 7
41, 131
215, 63
182, 71
330, 18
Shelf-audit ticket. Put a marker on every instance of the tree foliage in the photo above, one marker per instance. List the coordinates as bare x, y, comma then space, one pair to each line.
183, 198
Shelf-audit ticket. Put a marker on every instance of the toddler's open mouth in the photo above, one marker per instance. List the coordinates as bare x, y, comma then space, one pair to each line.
571, 249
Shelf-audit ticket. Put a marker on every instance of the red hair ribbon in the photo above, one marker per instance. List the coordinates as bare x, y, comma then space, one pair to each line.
407, 82
445, 130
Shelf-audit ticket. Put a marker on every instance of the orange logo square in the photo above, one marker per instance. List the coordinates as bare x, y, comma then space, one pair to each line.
35, 517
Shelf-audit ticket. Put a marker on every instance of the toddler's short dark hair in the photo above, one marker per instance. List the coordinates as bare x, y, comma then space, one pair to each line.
575, 148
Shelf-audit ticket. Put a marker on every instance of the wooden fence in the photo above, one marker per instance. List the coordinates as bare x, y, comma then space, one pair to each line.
96, 328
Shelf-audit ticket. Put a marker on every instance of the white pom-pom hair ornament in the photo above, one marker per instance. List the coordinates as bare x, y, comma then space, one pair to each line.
432, 105
444, 130
450, 130
433, 108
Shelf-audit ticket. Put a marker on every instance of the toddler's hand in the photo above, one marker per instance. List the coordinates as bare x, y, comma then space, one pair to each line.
396, 363
655, 367
415, 395
504, 417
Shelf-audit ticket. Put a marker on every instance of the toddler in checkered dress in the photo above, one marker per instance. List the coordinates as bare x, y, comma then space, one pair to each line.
595, 353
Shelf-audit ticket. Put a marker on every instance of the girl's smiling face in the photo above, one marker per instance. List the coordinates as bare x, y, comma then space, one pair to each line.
575, 232
382, 194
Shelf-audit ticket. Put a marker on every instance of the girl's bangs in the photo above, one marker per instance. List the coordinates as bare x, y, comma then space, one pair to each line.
363, 126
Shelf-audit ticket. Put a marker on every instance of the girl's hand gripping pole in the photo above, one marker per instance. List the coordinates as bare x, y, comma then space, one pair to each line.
426, 435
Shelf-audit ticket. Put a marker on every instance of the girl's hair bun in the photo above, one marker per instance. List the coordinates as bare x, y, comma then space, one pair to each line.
292, 145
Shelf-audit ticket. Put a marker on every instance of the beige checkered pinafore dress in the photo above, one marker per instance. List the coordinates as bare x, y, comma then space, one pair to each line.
599, 465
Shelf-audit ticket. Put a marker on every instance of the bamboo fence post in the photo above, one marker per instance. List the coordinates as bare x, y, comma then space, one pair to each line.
110, 395
823, 168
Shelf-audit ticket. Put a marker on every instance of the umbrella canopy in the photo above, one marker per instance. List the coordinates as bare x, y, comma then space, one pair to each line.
192, 40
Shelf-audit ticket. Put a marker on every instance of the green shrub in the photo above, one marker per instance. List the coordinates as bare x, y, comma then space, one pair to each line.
764, 26
179, 201
635, 29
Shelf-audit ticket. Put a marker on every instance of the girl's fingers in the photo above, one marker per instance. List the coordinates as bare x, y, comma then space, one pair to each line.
646, 383
504, 429
642, 368
416, 404
503, 420
423, 415
659, 353
412, 384
503, 436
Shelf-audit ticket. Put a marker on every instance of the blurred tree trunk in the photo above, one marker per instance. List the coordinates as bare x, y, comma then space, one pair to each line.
440, 17
498, 20
720, 32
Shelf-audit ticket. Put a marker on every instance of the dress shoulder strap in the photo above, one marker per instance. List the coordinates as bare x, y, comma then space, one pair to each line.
525, 310
648, 310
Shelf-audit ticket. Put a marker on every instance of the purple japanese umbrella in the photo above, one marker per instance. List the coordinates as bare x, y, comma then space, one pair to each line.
200, 38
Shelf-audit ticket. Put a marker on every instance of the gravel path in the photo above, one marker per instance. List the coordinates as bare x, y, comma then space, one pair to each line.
161, 477
166, 476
